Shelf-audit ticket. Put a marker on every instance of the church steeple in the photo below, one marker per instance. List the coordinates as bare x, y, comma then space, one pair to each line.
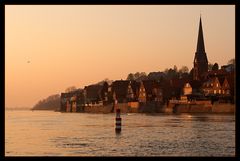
200, 43
200, 60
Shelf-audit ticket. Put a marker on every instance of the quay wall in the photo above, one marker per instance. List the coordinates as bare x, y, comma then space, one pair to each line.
124, 108
223, 108
153, 107
202, 108
194, 108
98, 109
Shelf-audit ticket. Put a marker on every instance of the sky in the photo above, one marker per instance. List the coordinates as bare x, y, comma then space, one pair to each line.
51, 47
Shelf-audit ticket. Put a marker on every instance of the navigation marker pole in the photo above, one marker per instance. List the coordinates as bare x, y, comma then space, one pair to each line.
118, 121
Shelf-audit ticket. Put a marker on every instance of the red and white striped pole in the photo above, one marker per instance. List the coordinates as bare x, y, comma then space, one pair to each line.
118, 121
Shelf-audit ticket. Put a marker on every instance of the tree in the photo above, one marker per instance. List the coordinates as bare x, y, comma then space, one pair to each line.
165, 71
215, 67
232, 61
70, 89
136, 75
184, 69
175, 68
130, 77
171, 73
210, 65
105, 80
142, 74
50, 103
156, 75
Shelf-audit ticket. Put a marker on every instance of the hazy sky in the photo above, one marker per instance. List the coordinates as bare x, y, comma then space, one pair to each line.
81, 44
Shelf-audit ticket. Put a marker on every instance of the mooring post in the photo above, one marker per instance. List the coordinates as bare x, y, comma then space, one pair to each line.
118, 121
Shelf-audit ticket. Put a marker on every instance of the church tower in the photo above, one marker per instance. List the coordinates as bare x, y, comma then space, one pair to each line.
200, 60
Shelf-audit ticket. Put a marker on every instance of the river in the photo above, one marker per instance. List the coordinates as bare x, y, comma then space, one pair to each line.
48, 133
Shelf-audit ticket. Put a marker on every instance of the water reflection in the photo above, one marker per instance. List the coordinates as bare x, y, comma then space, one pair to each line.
51, 133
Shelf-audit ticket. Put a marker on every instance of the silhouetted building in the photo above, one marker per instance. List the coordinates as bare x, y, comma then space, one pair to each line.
200, 59
120, 90
93, 93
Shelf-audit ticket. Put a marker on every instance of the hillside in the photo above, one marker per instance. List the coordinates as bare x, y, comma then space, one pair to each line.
50, 103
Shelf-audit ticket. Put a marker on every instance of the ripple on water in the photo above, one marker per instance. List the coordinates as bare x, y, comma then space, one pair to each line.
142, 135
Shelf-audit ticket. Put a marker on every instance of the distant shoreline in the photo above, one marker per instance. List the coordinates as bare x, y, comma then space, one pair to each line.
18, 108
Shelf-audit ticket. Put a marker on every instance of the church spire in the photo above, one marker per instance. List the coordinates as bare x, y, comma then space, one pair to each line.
200, 43
200, 60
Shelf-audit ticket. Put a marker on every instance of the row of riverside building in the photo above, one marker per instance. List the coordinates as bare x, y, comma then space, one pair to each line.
218, 85
214, 85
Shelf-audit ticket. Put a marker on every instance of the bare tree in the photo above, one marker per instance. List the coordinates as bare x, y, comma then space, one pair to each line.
210, 65
184, 69
70, 89
215, 66
130, 76
232, 61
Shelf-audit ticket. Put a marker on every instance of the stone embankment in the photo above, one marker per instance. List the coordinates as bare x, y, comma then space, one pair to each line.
98, 109
200, 108
153, 107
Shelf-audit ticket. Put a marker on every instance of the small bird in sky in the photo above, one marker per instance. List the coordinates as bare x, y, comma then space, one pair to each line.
28, 61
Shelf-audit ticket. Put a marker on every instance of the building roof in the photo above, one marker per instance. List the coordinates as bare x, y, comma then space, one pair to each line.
200, 55
213, 73
120, 88
93, 91
135, 86
150, 84
200, 42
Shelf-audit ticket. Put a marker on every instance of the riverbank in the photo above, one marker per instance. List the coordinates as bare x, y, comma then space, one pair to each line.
200, 107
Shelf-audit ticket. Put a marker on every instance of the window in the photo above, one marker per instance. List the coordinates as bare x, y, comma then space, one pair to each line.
223, 91
217, 84
219, 91
214, 91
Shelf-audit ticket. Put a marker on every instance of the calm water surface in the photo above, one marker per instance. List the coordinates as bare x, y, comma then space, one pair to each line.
47, 133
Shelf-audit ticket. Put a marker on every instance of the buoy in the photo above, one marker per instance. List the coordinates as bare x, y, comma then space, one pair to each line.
118, 121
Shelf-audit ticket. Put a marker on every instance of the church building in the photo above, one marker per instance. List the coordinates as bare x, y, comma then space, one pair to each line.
200, 59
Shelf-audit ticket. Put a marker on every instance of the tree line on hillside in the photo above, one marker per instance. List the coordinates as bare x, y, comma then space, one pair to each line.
170, 73
50, 103
166, 74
